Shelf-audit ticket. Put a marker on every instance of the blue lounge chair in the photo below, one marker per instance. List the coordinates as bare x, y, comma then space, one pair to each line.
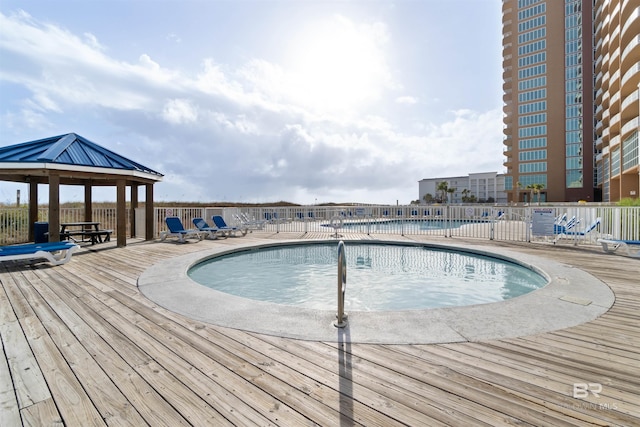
572, 233
629, 247
211, 232
176, 229
562, 226
56, 253
228, 230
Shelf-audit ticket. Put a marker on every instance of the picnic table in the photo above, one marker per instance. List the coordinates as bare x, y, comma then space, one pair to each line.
85, 229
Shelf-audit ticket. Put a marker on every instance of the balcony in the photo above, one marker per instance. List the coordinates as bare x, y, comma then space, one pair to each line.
632, 76
629, 24
631, 53
598, 112
597, 67
614, 105
599, 144
614, 82
614, 124
615, 54
598, 28
629, 106
598, 11
604, 84
630, 126
614, 141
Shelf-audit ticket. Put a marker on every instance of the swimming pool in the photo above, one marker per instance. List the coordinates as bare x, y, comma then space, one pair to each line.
571, 297
380, 276
410, 226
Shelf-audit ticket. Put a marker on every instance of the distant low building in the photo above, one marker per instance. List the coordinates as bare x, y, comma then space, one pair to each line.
484, 187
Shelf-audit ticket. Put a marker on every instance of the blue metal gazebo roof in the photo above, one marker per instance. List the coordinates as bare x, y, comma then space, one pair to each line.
72, 150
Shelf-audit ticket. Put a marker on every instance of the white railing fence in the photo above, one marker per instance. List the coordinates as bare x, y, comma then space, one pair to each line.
506, 223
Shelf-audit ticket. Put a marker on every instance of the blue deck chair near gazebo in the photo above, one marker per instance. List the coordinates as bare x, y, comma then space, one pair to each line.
227, 229
210, 232
56, 253
176, 229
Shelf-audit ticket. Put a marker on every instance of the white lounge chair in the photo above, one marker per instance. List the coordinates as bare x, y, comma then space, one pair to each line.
176, 229
56, 253
250, 224
630, 248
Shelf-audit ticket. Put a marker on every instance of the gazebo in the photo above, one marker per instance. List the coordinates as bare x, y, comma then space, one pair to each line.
73, 160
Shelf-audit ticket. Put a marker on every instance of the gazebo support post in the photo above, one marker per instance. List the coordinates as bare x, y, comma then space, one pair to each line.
54, 207
33, 208
148, 213
88, 208
132, 211
121, 213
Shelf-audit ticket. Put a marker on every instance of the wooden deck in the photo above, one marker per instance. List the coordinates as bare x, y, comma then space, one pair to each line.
83, 347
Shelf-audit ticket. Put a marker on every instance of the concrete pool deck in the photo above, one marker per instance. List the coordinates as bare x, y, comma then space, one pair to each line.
571, 298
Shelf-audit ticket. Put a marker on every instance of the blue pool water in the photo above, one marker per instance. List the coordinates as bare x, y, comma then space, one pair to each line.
379, 276
406, 225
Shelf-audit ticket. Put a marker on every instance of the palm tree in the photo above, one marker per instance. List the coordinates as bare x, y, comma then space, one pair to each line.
443, 188
518, 188
465, 195
451, 191
536, 189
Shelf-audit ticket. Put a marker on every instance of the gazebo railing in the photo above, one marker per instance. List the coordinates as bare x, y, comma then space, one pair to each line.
14, 222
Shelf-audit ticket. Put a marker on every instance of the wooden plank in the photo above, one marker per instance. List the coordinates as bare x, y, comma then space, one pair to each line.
116, 355
336, 369
619, 388
106, 396
89, 316
44, 413
28, 379
533, 385
148, 353
18, 307
6, 311
205, 357
9, 412
76, 408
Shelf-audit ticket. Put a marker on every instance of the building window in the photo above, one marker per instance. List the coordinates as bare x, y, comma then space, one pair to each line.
527, 144
615, 162
574, 178
630, 152
532, 167
526, 180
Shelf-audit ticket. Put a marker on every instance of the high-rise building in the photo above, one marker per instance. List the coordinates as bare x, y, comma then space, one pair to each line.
616, 40
548, 99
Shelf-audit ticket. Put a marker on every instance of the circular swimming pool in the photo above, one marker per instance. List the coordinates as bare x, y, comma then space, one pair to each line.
380, 276
571, 297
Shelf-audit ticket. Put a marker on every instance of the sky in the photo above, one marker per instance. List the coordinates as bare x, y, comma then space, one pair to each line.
256, 101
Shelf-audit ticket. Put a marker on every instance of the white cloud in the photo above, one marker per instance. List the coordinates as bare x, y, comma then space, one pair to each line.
410, 100
179, 111
251, 135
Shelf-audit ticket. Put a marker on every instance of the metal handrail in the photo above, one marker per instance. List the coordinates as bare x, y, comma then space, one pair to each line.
341, 317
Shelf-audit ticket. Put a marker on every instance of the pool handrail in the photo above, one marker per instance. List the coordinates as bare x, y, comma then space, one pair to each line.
341, 317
